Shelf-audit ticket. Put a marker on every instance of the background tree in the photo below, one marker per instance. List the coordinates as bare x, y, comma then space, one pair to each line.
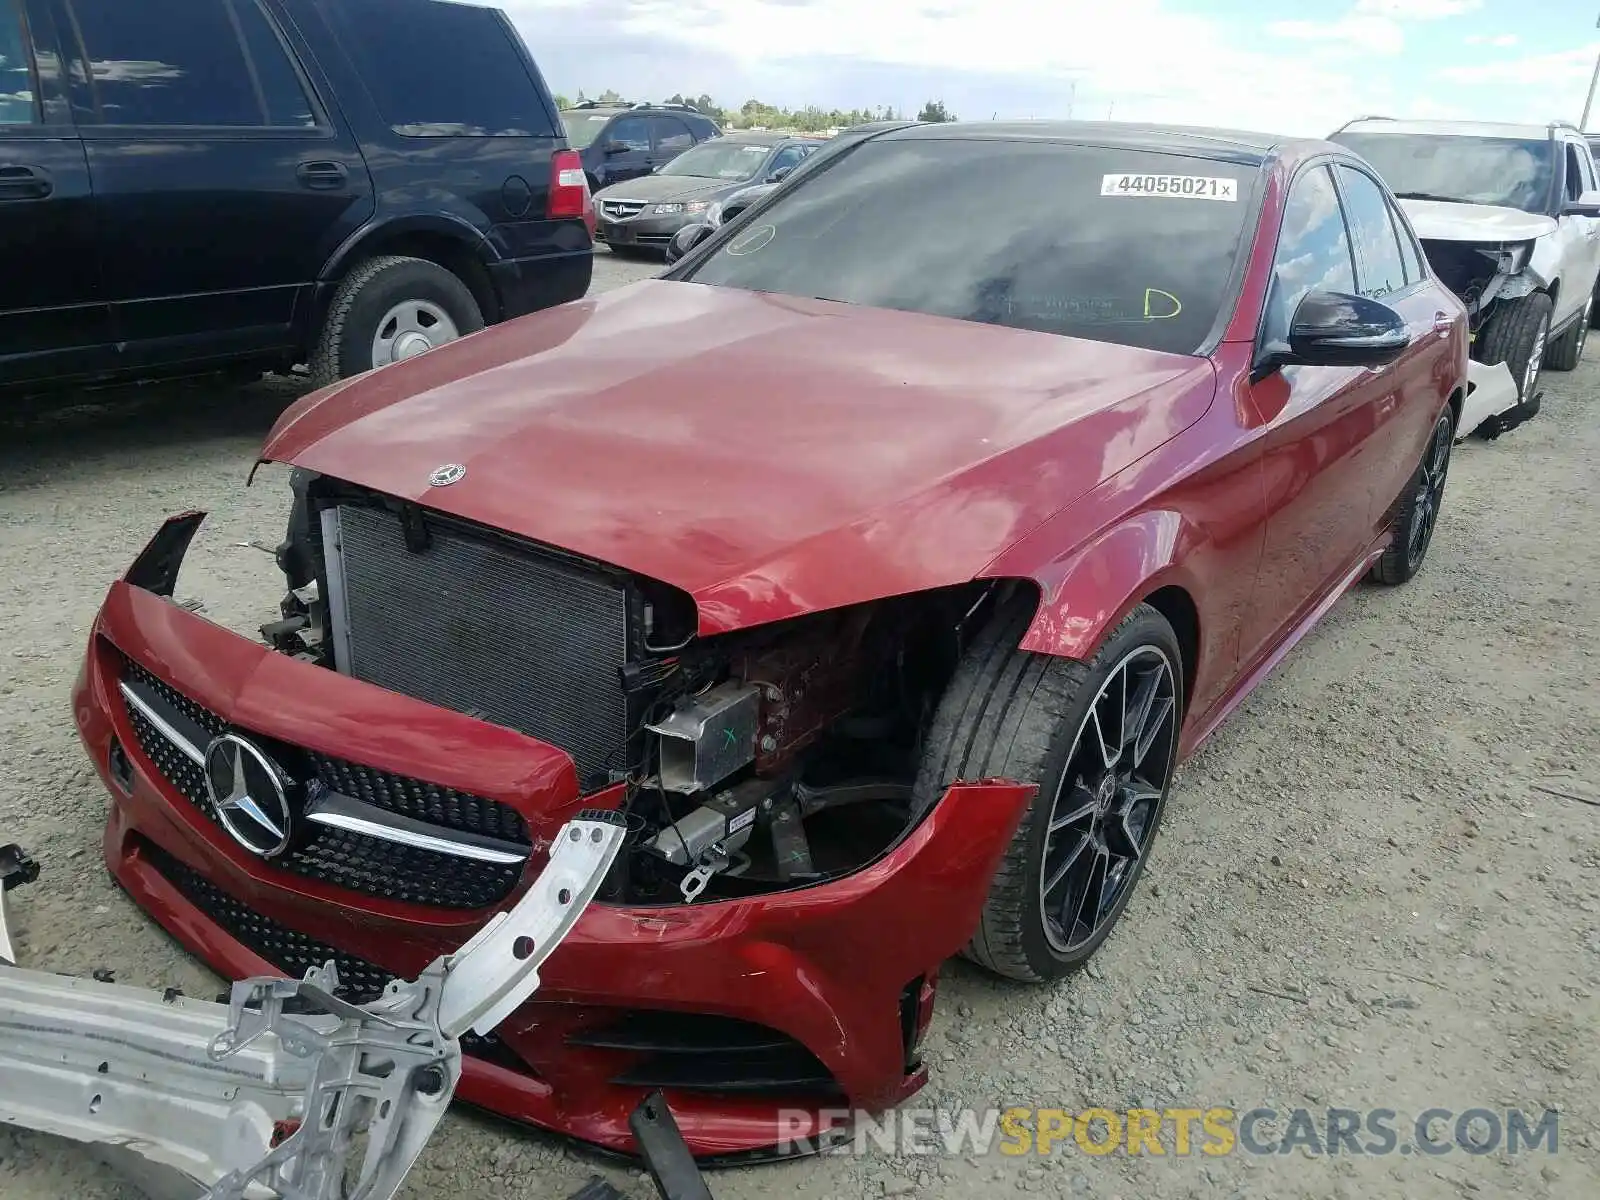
934, 110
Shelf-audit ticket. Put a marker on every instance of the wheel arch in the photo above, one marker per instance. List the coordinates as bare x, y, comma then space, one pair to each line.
447, 241
1144, 560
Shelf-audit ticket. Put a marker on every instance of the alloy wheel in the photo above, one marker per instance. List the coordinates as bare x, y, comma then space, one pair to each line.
1110, 795
1530, 374
1430, 491
410, 328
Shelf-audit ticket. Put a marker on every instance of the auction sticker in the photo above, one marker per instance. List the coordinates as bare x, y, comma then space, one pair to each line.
1183, 187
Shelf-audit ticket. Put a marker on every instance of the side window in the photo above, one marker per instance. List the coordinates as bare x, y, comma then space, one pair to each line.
1313, 251
632, 132
789, 156
177, 63
18, 97
1416, 265
483, 88
282, 94
671, 133
1580, 172
1379, 267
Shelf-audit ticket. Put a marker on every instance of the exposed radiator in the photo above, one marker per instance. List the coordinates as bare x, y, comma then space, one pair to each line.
482, 625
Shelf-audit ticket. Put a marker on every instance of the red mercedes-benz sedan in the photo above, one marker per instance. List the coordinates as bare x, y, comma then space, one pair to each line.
879, 562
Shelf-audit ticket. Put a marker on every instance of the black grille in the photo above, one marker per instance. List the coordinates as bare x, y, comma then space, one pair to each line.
484, 625
421, 801
341, 857
295, 953
701, 1052
291, 952
621, 210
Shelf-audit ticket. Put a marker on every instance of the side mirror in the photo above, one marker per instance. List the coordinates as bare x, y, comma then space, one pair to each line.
616, 148
1586, 205
1334, 329
686, 239
779, 175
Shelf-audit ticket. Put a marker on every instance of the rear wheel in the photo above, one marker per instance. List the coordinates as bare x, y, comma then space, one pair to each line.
1566, 352
389, 309
1418, 511
1100, 738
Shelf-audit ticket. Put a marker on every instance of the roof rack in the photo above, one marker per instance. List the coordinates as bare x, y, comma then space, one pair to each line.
1564, 125
603, 104
1356, 120
666, 104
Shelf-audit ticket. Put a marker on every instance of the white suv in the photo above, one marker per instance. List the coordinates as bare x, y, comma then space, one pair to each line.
1509, 216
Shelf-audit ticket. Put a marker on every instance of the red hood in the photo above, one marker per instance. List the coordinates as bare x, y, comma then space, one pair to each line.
769, 455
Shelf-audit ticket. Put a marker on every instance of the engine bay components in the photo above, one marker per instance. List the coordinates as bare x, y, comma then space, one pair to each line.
708, 737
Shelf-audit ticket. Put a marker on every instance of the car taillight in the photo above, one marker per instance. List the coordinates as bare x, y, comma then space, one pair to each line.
569, 189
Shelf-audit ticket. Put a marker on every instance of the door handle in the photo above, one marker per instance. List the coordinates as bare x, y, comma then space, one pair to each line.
323, 176
1443, 323
25, 183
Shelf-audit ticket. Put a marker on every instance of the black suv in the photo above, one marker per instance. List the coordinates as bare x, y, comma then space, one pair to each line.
625, 141
197, 185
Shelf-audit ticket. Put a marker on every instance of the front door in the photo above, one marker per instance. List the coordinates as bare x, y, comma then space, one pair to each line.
1319, 450
627, 149
53, 316
1579, 236
222, 182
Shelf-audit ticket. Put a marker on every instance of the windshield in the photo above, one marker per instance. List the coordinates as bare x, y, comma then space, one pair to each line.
582, 128
1508, 172
719, 159
1114, 245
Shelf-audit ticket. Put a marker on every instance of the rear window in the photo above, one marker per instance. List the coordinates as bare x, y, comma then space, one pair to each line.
1508, 172
1112, 245
437, 68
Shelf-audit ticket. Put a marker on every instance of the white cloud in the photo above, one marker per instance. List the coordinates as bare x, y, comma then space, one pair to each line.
1377, 34
1484, 39
1547, 70
1155, 63
1417, 10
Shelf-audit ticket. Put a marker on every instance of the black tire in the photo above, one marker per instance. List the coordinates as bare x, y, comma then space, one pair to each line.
1511, 335
1011, 714
1566, 352
370, 291
1594, 307
1416, 514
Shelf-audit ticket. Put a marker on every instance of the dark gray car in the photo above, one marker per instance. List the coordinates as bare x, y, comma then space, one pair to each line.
643, 214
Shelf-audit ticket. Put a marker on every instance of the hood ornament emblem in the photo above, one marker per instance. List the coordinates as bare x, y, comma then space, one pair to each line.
446, 475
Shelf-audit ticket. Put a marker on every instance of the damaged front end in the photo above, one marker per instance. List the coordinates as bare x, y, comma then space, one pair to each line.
432, 701
288, 1090
1487, 256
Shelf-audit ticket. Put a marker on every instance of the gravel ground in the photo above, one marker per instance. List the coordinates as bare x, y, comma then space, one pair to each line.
1378, 885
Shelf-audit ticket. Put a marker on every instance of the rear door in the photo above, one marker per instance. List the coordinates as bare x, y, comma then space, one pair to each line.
1389, 268
220, 177
53, 315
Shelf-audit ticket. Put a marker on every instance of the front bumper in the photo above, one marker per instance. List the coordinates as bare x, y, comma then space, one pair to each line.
646, 231
845, 969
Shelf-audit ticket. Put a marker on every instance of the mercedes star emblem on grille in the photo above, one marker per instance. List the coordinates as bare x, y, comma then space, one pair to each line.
446, 475
250, 793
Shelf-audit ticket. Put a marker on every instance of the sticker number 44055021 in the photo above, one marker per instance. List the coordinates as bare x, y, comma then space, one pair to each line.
1183, 187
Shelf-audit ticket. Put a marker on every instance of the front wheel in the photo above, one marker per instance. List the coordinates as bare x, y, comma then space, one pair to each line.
1518, 334
389, 309
1100, 739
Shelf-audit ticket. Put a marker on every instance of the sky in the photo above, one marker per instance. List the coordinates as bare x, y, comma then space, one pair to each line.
1292, 68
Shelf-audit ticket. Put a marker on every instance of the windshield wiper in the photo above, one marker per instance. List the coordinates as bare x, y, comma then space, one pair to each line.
1432, 196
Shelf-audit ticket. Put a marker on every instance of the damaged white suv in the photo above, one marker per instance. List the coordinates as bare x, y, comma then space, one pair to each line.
1509, 217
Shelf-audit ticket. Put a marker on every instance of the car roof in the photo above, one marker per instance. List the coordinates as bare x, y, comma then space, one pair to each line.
1233, 145
1489, 129
762, 137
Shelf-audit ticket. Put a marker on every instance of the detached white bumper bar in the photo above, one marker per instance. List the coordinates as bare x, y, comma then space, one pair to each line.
214, 1099
1490, 392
